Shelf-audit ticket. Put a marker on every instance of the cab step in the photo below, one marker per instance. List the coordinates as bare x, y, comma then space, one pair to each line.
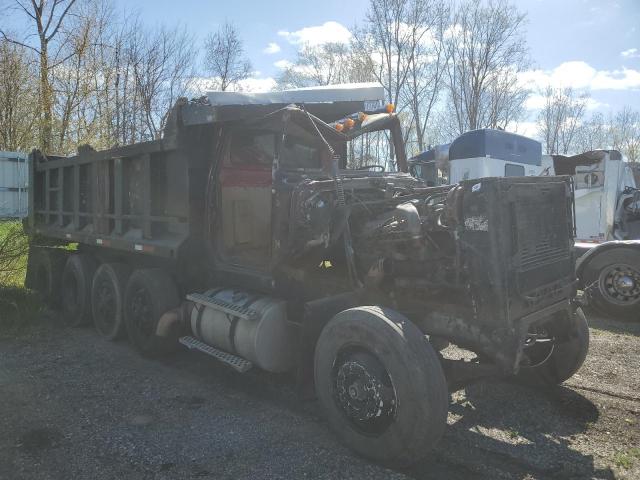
234, 361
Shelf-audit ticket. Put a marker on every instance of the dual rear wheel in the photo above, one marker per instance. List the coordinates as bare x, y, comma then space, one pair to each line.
117, 300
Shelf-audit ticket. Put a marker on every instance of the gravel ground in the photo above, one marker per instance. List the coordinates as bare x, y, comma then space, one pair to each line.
75, 406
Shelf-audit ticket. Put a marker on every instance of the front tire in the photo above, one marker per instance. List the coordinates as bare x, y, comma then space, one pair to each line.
149, 294
612, 280
381, 385
565, 358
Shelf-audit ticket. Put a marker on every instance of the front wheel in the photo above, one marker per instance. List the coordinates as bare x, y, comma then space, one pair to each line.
381, 385
553, 361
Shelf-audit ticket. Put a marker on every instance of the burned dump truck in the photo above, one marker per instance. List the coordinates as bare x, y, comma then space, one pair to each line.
270, 231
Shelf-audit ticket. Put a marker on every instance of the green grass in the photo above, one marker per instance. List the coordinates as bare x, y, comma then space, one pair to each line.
14, 247
19, 307
513, 433
627, 458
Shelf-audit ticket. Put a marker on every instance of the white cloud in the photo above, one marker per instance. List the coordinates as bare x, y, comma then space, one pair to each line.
282, 64
272, 48
581, 75
257, 84
624, 79
528, 129
536, 101
631, 53
318, 34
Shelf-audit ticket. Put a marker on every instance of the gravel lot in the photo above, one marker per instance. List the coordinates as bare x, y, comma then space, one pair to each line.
74, 406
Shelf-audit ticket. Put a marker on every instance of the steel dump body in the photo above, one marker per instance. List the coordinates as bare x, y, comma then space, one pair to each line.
141, 198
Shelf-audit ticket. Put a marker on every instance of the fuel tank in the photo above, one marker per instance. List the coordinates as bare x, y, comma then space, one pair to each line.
259, 332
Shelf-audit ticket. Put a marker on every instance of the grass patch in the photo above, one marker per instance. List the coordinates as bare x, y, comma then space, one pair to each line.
19, 308
14, 248
627, 458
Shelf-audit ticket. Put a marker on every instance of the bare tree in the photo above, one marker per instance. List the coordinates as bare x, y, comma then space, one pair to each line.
326, 64
18, 98
162, 73
224, 57
72, 85
487, 49
426, 71
625, 133
593, 134
560, 119
390, 36
47, 17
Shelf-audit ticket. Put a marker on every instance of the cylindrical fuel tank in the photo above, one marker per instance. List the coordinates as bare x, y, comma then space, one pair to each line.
265, 340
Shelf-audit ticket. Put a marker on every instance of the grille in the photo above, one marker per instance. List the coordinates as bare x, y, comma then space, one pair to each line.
542, 229
541, 253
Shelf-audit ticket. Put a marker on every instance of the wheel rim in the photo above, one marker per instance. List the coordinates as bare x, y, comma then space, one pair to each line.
142, 313
620, 284
364, 392
538, 346
106, 306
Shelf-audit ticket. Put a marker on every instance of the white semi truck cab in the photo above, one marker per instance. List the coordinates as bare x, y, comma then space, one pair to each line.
607, 204
605, 194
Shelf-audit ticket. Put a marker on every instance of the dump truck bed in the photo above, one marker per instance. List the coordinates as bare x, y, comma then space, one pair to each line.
133, 198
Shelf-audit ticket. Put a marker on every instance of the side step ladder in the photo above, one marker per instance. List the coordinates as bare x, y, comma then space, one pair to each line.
235, 362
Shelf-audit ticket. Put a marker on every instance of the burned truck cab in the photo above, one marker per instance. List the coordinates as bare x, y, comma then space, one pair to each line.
283, 232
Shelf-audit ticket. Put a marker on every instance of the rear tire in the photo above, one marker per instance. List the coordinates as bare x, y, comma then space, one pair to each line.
381, 385
76, 289
44, 273
612, 280
565, 359
107, 299
148, 295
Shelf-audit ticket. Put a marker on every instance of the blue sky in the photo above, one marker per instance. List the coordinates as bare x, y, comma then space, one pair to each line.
582, 43
588, 44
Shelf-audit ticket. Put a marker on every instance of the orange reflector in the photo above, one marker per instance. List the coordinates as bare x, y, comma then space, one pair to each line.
390, 107
349, 123
339, 127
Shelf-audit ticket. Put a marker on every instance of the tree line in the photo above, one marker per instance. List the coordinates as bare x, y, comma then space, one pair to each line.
81, 72
565, 127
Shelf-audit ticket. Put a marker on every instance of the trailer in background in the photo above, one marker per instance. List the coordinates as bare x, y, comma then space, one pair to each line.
607, 204
14, 180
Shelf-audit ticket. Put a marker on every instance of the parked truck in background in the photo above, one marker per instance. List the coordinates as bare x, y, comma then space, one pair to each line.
607, 205
262, 231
